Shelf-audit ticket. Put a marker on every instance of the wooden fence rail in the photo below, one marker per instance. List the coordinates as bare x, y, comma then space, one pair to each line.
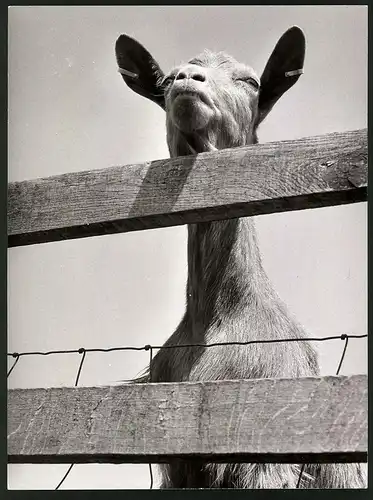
264, 420
274, 177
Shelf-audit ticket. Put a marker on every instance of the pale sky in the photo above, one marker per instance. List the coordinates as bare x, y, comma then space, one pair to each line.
69, 110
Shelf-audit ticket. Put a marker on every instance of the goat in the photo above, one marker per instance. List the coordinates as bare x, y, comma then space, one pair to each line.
214, 102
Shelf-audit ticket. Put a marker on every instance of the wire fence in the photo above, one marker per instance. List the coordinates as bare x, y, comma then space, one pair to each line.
83, 351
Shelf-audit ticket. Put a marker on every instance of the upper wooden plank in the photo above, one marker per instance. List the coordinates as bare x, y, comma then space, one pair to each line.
264, 420
267, 178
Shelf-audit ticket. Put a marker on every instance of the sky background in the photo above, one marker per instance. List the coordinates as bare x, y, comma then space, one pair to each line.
69, 110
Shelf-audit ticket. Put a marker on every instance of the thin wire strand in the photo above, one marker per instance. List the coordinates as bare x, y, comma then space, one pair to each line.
300, 475
343, 353
84, 352
182, 346
65, 476
150, 362
343, 337
151, 476
15, 355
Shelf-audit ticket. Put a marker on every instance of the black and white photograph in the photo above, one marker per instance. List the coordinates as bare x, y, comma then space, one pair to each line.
187, 247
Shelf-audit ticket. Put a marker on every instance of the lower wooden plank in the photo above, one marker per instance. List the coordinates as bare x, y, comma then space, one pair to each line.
264, 420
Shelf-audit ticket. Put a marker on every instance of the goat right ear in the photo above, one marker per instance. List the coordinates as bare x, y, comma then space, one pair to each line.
282, 70
139, 70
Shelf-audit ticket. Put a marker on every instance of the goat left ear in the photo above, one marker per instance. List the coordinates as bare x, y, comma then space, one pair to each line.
139, 69
282, 70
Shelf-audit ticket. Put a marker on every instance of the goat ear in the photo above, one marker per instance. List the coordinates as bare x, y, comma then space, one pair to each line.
282, 70
139, 70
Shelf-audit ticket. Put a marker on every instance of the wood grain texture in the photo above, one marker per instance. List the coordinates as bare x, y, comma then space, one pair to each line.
274, 177
264, 420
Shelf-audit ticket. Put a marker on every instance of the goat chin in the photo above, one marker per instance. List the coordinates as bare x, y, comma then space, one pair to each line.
190, 114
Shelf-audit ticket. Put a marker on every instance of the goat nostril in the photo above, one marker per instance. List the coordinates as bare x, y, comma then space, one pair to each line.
199, 77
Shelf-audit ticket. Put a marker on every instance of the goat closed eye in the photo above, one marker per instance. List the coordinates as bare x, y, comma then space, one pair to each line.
250, 81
